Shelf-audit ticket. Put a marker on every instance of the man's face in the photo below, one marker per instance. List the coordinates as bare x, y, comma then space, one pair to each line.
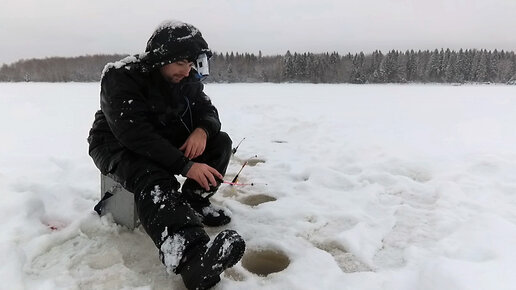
176, 71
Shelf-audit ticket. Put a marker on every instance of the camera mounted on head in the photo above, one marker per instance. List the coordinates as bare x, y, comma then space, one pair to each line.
201, 65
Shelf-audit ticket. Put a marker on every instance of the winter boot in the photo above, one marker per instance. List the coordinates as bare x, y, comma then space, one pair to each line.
199, 199
202, 266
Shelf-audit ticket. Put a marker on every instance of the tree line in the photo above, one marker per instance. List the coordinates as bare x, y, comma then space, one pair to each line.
423, 66
57, 69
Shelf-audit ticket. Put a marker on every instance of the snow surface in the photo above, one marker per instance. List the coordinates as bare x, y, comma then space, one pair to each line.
368, 187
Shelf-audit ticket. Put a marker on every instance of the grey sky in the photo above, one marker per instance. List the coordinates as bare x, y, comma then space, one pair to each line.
41, 28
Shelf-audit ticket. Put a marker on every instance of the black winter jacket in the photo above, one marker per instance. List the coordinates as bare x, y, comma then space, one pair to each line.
142, 112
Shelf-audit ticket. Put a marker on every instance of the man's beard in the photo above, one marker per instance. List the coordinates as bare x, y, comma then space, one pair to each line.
176, 78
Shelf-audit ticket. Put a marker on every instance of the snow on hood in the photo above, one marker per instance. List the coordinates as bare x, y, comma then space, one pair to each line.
174, 24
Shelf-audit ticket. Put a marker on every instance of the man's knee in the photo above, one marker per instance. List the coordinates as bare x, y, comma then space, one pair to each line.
225, 137
222, 141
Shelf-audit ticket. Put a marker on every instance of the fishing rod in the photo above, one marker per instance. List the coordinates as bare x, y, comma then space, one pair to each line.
235, 179
236, 176
234, 150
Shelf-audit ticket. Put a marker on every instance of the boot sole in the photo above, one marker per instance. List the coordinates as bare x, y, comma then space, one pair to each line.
214, 277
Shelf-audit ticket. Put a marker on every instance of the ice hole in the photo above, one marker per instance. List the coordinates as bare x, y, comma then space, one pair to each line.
254, 200
265, 262
253, 162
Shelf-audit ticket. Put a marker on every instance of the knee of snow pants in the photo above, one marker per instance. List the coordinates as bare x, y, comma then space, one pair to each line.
217, 152
217, 155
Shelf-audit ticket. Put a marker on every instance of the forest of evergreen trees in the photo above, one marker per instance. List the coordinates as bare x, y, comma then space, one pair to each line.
438, 66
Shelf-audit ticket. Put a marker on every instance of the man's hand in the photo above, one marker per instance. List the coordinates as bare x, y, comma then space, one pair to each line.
195, 144
204, 174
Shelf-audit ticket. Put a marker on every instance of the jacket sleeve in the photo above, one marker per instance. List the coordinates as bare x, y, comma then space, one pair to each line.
204, 112
126, 112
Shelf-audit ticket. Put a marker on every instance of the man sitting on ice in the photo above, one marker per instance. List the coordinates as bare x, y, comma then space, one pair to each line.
156, 122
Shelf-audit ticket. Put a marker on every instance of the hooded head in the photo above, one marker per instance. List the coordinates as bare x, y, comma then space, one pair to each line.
174, 41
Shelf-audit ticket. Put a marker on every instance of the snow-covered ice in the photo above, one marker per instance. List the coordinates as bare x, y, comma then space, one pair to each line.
355, 187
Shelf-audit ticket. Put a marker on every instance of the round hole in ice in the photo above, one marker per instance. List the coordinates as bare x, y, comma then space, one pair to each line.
254, 200
254, 162
265, 262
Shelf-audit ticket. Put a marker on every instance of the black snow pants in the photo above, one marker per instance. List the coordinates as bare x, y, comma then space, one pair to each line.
161, 208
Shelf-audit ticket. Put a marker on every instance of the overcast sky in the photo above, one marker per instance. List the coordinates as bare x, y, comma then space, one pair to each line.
41, 28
